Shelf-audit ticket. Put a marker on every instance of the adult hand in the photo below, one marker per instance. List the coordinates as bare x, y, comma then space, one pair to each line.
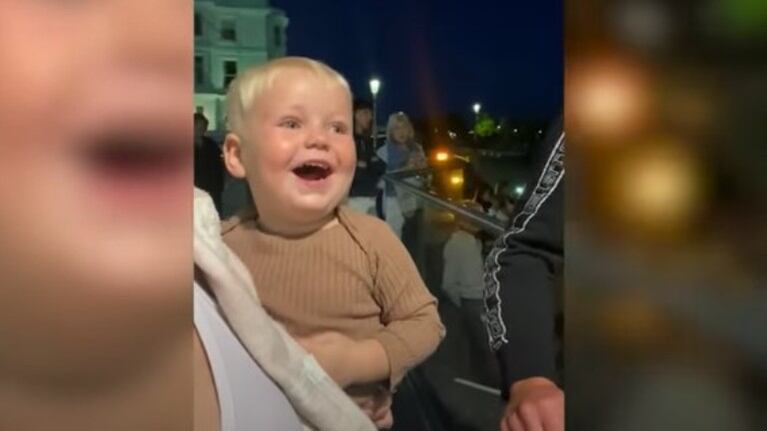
535, 404
375, 401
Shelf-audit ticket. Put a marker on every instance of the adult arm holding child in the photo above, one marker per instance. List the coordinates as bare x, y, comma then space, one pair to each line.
346, 360
358, 366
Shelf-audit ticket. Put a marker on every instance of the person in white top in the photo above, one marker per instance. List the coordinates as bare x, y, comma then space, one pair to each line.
463, 270
261, 377
462, 281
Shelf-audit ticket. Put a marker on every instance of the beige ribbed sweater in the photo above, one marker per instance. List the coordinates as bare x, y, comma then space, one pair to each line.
355, 278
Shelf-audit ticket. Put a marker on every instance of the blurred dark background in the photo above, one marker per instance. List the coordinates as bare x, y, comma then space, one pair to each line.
666, 295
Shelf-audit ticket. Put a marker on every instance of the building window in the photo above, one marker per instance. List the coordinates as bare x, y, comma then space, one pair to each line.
230, 72
197, 24
199, 70
277, 36
228, 30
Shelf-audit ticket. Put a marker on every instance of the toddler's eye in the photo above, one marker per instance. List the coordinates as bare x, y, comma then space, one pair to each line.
290, 124
340, 128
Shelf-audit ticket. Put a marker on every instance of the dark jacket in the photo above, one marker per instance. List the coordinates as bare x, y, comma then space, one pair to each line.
209, 169
523, 270
366, 178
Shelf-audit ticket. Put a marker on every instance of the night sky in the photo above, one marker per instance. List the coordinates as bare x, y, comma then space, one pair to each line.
438, 57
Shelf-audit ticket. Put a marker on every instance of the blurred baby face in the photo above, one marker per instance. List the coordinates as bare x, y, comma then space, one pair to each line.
299, 151
95, 140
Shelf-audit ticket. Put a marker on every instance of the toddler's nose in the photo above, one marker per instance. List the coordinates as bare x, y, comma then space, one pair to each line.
318, 140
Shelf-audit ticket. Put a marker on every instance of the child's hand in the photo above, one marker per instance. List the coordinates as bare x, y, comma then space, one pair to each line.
334, 352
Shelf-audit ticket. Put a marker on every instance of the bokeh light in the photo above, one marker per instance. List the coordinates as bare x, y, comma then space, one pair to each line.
606, 98
658, 190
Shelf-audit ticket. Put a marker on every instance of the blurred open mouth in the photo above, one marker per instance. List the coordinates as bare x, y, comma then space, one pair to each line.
133, 157
138, 167
313, 171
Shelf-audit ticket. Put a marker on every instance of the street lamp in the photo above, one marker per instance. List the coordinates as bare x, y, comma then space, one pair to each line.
476, 108
375, 85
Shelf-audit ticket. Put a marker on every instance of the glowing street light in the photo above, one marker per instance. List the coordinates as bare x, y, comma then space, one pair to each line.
476, 108
442, 156
519, 190
375, 85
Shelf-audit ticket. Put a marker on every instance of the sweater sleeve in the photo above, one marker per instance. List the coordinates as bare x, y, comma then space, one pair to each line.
413, 329
520, 275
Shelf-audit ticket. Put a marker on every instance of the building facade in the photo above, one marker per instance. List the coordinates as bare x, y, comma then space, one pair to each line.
230, 36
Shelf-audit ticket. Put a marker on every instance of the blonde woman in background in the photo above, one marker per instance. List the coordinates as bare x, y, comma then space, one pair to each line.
401, 152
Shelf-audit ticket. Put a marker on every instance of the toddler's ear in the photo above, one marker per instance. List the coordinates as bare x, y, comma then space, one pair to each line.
232, 150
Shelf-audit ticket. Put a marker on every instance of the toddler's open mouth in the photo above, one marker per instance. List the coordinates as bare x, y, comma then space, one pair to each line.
313, 171
134, 156
138, 169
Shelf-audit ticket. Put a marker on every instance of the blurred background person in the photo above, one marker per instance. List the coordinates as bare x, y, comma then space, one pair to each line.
487, 198
462, 282
95, 220
364, 188
400, 152
506, 208
208, 162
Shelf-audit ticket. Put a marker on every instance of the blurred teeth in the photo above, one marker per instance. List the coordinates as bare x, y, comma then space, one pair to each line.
316, 165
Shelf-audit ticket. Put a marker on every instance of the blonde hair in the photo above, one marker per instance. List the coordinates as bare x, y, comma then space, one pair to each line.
400, 118
246, 88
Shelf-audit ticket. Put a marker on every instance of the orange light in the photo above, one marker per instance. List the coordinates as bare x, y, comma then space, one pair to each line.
456, 180
609, 97
442, 156
658, 189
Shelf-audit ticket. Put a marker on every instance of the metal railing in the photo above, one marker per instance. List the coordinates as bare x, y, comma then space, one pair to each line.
480, 219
